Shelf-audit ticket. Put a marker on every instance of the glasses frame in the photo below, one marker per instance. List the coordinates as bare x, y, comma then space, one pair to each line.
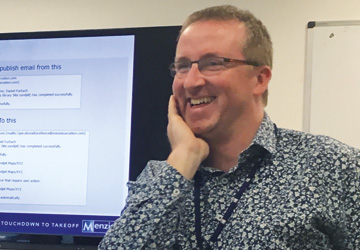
227, 61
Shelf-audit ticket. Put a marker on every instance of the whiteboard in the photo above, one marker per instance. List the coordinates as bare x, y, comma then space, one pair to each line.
332, 81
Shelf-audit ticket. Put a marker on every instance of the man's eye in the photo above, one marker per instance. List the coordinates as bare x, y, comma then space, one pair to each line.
182, 66
214, 62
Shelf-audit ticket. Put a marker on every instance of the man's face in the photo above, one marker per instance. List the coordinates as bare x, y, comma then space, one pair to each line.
226, 98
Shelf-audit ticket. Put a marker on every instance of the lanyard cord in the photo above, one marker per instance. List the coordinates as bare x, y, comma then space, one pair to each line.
230, 209
228, 213
199, 238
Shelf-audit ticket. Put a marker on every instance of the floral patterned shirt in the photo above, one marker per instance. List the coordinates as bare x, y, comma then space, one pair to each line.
305, 195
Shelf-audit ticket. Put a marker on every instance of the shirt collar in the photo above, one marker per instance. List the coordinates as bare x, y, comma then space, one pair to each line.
266, 135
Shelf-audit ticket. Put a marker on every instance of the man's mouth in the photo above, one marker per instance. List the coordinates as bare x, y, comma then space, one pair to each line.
205, 100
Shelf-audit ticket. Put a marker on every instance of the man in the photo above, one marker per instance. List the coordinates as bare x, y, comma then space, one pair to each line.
233, 180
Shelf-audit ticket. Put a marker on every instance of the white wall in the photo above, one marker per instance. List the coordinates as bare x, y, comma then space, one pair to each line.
286, 20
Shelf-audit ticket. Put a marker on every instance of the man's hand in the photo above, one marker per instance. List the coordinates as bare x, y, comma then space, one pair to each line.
188, 151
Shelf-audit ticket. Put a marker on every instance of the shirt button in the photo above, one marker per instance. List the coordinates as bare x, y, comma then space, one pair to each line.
224, 181
220, 219
176, 192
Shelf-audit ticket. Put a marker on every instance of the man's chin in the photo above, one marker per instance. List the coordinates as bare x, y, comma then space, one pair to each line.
202, 128
202, 131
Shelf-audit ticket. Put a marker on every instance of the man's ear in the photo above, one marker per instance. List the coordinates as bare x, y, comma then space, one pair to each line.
263, 76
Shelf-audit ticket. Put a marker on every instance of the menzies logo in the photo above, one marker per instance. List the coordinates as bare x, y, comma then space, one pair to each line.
96, 226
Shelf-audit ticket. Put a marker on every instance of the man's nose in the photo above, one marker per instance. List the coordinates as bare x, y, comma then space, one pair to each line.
194, 78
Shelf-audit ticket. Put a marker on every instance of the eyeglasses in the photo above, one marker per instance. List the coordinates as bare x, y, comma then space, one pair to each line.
207, 65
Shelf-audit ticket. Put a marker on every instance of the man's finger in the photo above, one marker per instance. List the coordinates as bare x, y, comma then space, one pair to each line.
172, 109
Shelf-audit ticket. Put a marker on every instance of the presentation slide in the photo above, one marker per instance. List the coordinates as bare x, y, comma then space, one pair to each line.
65, 119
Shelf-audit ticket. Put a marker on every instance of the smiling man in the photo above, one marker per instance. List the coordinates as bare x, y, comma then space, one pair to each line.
218, 91
233, 180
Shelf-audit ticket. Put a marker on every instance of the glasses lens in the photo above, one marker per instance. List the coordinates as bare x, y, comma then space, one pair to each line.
211, 64
182, 67
172, 69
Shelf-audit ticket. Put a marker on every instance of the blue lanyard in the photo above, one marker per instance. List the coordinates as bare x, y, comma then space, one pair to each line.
228, 213
230, 209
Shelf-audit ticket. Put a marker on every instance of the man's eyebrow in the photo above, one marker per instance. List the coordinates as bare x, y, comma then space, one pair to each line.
185, 58
182, 58
209, 55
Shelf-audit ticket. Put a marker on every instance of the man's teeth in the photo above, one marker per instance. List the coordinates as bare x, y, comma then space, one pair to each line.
201, 100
